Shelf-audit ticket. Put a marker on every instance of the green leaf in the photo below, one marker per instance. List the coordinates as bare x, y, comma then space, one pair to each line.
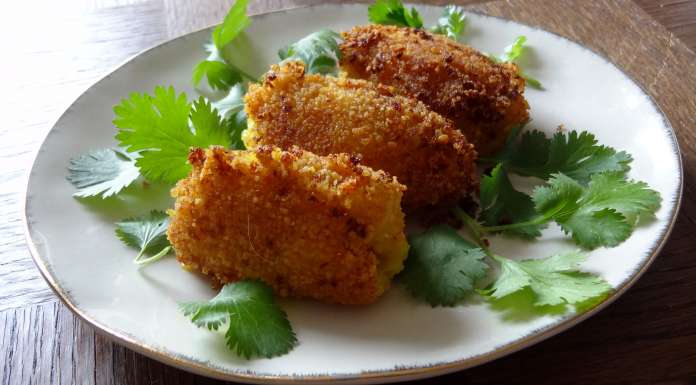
231, 108
514, 50
634, 200
234, 23
319, 51
147, 233
511, 54
592, 229
393, 12
232, 103
601, 214
102, 172
554, 280
257, 325
442, 267
236, 124
451, 23
502, 204
221, 74
158, 127
577, 155
533, 82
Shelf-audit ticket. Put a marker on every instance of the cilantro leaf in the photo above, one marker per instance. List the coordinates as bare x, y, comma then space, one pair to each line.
574, 154
530, 151
222, 74
232, 103
257, 325
554, 280
231, 108
147, 233
236, 124
514, 50
511, 54
319, 51
451, 23
393, 12
158, 127
634, 200
501, 203
442, 266
601, 214
234, 23
102, 172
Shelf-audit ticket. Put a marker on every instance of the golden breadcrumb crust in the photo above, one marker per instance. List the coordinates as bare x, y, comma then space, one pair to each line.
484, 99
308, 226
399, 135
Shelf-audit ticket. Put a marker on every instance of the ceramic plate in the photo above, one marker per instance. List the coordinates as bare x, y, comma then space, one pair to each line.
397, 338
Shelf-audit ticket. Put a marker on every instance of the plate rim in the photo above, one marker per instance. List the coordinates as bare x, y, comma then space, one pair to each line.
390, 375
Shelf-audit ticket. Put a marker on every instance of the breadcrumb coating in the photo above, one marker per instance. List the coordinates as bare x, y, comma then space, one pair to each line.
484, 99
326, 228
389, 132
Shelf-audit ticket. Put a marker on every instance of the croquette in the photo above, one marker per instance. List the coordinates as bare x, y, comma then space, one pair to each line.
322, 227
389, 132
484, 99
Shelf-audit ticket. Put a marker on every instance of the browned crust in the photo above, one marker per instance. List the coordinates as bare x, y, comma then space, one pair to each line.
484, 99
390, 132
306, 225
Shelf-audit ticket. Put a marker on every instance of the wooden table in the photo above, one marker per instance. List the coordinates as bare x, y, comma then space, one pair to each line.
56, 49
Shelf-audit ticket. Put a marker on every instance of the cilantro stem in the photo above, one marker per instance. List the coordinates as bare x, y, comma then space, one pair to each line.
473, 226
535, 221
470, 222
476, 230
146, 261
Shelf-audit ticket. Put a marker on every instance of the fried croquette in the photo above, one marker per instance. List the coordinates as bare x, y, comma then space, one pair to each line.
397, 134
484, 99
309, 226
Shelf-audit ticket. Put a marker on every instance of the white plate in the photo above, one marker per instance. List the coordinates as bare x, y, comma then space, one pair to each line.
397, 338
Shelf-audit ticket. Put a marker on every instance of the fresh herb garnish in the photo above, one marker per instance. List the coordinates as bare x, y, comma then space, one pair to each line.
393, 12
577, 155
501, 203
554, 280
222, 74
514, 50
451, 23
148, 234
158, 127
104, 172
319, 51
442, 266
231, 108
511, 54
258, 327
601, 214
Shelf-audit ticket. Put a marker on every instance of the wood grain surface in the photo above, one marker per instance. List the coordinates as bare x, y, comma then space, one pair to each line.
54, 50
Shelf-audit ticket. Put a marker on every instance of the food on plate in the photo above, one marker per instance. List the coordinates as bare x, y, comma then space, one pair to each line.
313, 207
397, 134
308, 226
484, 99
